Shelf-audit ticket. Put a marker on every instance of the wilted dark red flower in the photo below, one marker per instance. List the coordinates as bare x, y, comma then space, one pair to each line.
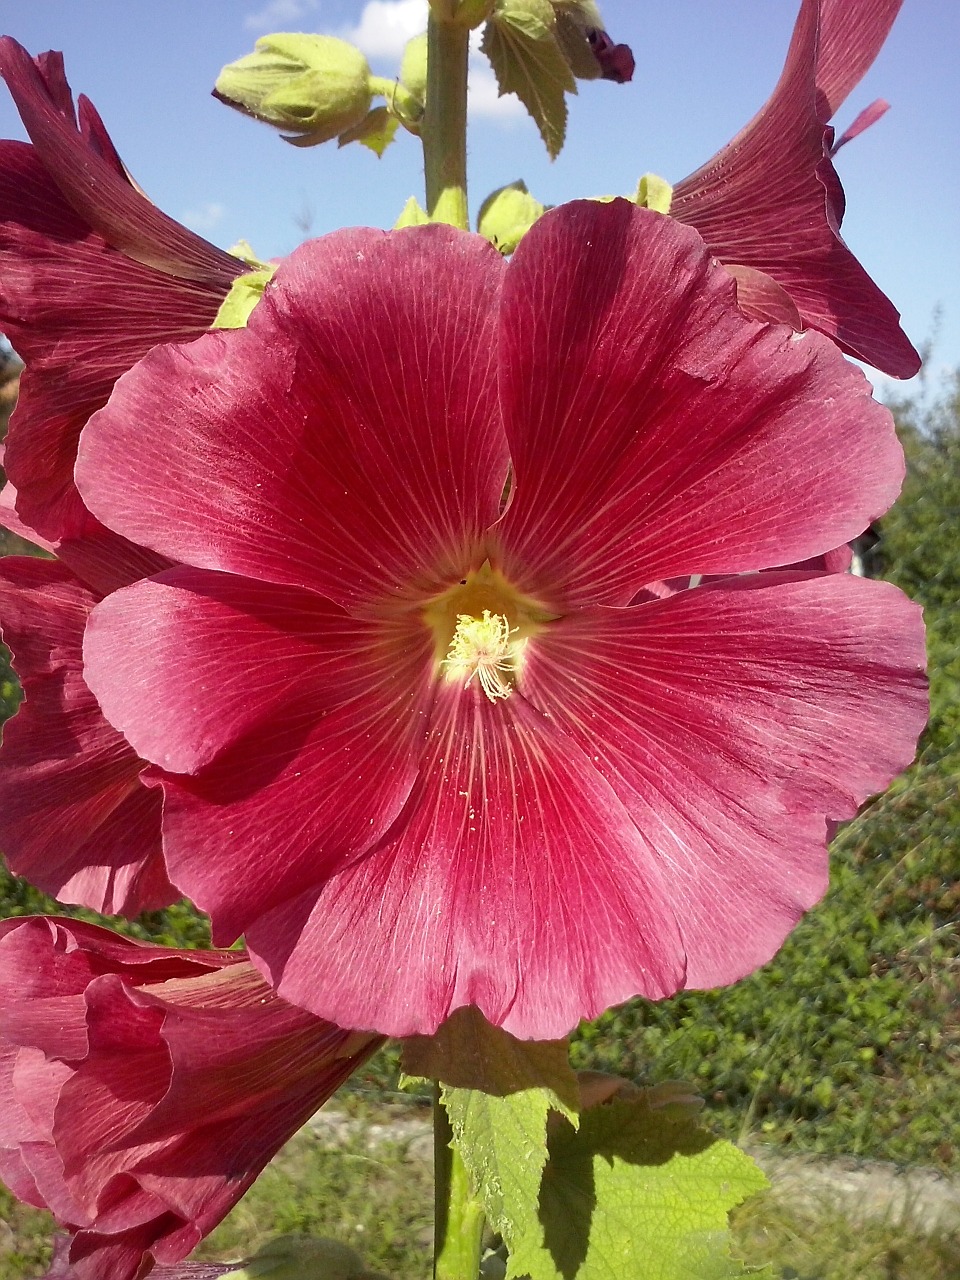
616, 60
143, 1089
92, 275
417, 742
770, 204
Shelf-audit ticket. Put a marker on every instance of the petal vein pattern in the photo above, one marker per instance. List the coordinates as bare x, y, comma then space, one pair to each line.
345, 441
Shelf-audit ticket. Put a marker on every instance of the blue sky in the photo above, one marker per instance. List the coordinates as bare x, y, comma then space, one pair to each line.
703, 68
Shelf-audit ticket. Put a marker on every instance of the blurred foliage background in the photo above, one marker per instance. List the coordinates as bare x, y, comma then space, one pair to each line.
849, 1041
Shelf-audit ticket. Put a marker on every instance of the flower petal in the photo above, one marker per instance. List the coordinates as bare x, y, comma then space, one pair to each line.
74, 817
84, 165
771, 199
185, 1087
516, 883
80, 313
655, 432
303, 728
733, 721
353, 423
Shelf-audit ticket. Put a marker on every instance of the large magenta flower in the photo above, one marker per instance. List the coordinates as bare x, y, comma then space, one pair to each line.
92, 275
770, 204
142, 1090
423, 732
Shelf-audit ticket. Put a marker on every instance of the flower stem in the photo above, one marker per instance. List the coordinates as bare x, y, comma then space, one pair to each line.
444, 129
458, 1230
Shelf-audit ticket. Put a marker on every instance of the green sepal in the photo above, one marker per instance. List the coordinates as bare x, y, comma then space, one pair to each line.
637, 1190
412, 215
295, 1257
507, 215
521, 42
654, 192
315, 86
376, 131
245, 292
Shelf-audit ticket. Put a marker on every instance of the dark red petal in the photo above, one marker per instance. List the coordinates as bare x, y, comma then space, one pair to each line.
179, 1093
867, 117
516, 883
87, 175
771, 199
74, 817
80, 314
733, 721
353, 423
655, 431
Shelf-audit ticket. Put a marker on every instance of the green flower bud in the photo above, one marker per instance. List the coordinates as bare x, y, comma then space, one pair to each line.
315, 86
507, 215
413, 68
654, 193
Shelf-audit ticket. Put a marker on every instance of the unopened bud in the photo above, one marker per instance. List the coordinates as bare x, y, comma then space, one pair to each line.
507, 215
314, 86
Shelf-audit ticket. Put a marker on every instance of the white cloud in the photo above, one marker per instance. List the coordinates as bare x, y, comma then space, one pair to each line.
483, 95
278, 15
206, 217
385, 26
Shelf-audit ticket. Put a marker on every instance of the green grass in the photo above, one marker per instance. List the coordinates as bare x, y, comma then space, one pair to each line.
379, 1201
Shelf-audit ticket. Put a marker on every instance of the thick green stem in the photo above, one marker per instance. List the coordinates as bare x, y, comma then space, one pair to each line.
458, 1216
444, 129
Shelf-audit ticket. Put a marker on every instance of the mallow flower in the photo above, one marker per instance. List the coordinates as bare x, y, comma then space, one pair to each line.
143, 1089
769, 204
74, 818
427, 732
92, 275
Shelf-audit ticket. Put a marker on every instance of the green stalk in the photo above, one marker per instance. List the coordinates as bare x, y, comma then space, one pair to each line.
458, 1216
444, 129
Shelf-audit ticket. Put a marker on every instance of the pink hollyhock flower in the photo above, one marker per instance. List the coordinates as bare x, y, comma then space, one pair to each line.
144, 1089
414, 739
74, 818
61, 1269
770, 204
92, 275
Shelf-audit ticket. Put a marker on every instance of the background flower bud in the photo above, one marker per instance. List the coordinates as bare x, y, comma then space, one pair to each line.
315, 86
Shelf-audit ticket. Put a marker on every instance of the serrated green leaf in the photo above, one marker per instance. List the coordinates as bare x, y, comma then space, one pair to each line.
527, 58
636, 1191
503, 1144
376, 130
498, 1092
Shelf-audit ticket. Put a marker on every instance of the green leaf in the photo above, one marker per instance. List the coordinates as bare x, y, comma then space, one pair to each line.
468, 1053
520, 41
498, 1092
376, 130
638, 1190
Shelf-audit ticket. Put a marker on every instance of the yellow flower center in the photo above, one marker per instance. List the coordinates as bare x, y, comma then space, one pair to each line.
481, 627
481, 647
